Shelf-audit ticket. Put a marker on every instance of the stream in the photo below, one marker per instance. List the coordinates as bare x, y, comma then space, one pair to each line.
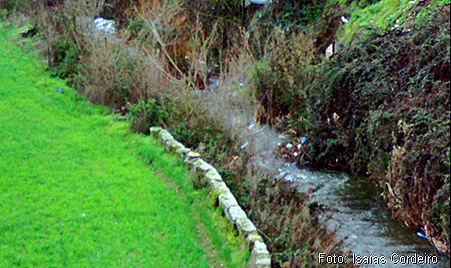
351, 207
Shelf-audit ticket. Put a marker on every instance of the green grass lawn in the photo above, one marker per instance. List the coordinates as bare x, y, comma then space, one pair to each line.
78, 189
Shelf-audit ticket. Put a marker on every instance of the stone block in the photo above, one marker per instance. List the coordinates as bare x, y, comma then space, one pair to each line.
198, 169
155, 130
183, 151
234, 213
205, 167
262, 262
260, 248
245, 226
252, 237
191, 162
213, 175
173, 145
227, 200
219, 187
164, 136
191, 156
260, 257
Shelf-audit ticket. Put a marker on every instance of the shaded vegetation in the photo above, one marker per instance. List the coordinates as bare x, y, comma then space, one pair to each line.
381, 107
391, 101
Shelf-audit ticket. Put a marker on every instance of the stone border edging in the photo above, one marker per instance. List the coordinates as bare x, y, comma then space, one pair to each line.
203, 175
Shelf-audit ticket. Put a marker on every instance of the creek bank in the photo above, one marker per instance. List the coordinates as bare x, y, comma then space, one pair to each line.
348, 206
378, 108
203, 175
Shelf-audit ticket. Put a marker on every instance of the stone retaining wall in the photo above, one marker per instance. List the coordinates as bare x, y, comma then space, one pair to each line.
205, 175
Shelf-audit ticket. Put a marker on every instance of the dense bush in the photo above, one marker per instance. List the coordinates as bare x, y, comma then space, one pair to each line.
382, 108
282, 77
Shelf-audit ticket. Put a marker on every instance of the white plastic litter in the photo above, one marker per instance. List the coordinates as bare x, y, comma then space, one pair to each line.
106, 26
344, 19
259, 2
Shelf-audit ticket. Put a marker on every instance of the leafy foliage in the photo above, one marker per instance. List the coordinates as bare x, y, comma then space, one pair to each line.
282, 78
384, 110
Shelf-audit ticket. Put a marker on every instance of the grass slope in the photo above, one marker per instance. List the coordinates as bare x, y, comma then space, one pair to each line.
76, 189
383, 15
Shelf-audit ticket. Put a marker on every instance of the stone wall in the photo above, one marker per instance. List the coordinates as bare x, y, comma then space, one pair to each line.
205, 175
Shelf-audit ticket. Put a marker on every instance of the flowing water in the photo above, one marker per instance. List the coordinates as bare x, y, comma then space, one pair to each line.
351, 207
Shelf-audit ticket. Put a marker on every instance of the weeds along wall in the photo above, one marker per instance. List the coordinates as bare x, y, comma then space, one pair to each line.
145, 80
203, 175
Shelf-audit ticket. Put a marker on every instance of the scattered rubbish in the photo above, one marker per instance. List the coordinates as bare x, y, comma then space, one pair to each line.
106, 26
333, 48
422, 234
281, 175
303, 140
59, 90
244, 145
259, 2
344, 19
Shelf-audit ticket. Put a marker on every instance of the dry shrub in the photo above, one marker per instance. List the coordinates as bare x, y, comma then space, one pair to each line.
165, 31
61, 24
286, 221
232, 96
283, 75
111, 74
